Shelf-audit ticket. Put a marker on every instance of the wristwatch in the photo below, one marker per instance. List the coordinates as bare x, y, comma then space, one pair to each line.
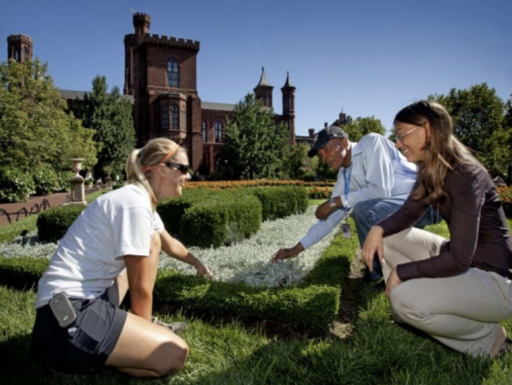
332, 204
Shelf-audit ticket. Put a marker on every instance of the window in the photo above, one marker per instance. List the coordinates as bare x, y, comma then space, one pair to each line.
218, 132
16, 54
203, 129
183, 121
25, 54
286, 102
165, 118
175, 118
172, 73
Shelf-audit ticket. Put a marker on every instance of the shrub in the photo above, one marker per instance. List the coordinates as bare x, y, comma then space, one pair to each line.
220, 221
280, 202
313, 305
505, 195
46, 180
63, 180
53, 223
22, 272
15, 185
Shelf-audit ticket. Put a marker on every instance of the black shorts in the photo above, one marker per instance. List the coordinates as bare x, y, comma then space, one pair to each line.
98, 327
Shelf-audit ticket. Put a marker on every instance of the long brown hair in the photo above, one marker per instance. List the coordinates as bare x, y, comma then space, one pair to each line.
442, 150
140, 162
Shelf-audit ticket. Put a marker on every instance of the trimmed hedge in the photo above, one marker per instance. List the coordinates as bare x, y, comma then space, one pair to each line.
313, 305
53, 223
221, 221
22, 272
279, 202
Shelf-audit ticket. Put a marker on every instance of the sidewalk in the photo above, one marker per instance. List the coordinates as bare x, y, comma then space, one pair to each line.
13, 208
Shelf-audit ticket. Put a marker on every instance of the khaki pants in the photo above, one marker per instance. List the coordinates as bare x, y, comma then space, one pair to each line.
462, 312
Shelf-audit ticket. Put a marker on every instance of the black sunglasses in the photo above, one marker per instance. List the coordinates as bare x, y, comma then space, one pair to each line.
184, 168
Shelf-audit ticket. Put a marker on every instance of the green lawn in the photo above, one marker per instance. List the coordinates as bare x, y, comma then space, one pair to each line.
374, 350
8, 233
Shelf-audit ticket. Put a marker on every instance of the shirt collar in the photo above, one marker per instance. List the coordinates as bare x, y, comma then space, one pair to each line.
356, 150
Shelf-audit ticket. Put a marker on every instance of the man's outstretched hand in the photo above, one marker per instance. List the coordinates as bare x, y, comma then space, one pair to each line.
288, 253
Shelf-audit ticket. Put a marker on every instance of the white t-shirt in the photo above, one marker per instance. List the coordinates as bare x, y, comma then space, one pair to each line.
90, 256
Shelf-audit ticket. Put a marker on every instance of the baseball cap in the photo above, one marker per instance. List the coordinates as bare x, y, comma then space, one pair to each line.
323, 137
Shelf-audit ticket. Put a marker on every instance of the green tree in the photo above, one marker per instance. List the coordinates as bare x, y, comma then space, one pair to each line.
359, 127
34, 126
478, 119
110, 115
254, 144
297, 164
507, 124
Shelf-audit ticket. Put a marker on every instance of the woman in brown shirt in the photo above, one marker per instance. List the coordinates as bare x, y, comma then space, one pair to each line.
458, 289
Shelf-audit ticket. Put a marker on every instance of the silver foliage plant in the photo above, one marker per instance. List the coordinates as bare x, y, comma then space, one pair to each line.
246, 261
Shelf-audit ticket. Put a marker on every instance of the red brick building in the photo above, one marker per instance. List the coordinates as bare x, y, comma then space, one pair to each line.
161, 75
161, 81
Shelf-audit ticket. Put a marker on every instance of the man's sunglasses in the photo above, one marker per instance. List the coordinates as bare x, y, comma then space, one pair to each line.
184, 168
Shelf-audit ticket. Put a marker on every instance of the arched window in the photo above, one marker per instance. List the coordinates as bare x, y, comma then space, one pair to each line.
175, 118
16, 54
25, 54
203, 130
218, 132
286, 102
165, 118
172, 73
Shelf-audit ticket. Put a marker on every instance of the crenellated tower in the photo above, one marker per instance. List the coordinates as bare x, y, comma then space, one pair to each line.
161, 75
141, 23
288, 91
263, 91
19, 48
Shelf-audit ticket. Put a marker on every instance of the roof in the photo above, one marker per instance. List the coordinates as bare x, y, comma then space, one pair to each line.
71, 94
217, 106
288, 81
263, 80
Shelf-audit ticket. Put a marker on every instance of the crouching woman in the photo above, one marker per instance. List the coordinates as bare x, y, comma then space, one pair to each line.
112, 247
458, 290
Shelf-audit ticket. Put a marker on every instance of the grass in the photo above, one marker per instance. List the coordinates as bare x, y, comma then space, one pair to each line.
230, 353
378, 352
9, 232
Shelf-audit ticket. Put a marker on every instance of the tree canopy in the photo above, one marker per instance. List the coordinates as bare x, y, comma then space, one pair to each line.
110, 115
35, 128
360, 127
480, 123
254, 142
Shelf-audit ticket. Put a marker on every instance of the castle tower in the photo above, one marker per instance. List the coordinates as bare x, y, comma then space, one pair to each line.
263, 91
288, 91
161, 75
19, 48
141, 23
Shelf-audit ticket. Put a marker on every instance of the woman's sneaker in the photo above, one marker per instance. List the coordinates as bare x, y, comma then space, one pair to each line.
175, 327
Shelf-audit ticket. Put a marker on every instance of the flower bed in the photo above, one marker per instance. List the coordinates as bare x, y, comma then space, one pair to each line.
245, 261
311, 304
231, 185
505, 195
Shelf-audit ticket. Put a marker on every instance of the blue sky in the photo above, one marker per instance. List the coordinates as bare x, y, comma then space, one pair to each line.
369, 57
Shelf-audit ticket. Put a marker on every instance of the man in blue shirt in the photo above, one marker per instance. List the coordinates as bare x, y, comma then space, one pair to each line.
374, 180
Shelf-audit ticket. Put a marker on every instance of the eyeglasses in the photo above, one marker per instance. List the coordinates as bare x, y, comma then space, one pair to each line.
184, 168
399, 137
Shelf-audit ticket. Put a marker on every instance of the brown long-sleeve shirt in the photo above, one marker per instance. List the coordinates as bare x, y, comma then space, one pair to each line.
479, 233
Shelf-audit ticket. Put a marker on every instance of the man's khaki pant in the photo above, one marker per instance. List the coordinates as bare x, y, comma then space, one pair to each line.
463, 312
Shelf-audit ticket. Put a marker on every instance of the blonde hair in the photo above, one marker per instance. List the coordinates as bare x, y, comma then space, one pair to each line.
140, 162
442, 150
